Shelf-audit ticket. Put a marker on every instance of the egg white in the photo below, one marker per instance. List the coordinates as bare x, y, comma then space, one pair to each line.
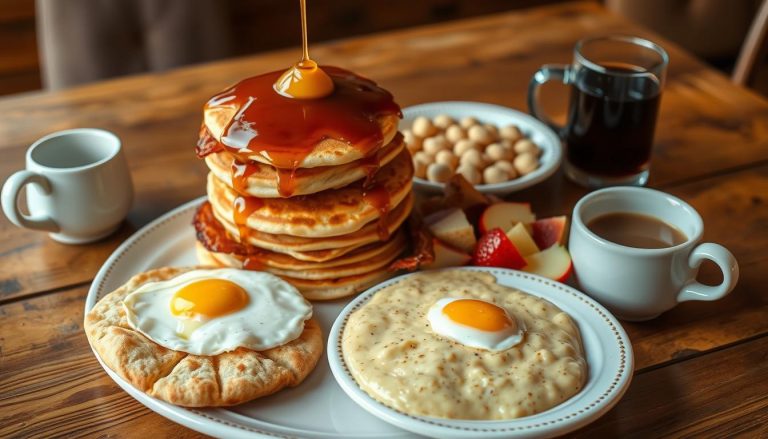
274, 315
469, 336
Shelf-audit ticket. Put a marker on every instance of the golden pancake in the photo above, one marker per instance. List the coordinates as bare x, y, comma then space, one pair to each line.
322, 249
384, 254
327, 152
265, 181
312, 289
255, 122
329, 213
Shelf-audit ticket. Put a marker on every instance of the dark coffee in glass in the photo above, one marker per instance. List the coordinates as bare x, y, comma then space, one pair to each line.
616, 87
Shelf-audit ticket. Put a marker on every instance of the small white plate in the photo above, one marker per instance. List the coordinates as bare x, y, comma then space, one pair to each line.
609, 357
540, 134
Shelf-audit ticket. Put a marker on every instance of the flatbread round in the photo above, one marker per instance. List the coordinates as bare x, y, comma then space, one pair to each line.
191, 380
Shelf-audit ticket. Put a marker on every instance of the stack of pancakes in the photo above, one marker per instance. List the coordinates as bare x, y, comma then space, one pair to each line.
326, 215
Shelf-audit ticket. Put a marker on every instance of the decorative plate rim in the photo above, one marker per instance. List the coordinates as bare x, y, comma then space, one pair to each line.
613, 392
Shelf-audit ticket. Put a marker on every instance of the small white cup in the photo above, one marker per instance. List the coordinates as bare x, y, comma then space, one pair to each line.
78, 186
638, 283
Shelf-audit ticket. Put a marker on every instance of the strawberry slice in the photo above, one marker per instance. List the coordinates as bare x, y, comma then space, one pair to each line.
494, 249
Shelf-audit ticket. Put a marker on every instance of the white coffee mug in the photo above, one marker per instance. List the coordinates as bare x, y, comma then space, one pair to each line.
78, 186
641, 283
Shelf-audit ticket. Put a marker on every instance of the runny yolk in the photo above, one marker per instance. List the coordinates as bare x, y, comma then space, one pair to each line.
208, 298
479, 314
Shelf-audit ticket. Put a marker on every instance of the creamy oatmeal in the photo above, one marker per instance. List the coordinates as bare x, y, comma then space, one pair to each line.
393, 353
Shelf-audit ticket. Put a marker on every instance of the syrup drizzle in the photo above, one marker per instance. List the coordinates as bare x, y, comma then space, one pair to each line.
242, 208
305, 80
379, 197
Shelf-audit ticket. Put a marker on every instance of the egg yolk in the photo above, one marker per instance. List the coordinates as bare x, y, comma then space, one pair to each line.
479, 314
208, 298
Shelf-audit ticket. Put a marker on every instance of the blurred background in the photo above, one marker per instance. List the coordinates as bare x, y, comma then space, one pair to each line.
54, 44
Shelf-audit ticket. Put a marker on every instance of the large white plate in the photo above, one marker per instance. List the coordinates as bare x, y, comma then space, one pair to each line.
609, 357
318, 408
540, 134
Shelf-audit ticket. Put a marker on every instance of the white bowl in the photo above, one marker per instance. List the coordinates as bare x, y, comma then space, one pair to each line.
540, 134
607, 347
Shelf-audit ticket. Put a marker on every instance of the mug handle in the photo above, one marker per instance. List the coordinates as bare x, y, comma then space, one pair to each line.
546, 73
10, 201
728, 265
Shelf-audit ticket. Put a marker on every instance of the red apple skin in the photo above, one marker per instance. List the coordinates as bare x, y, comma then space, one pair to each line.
549, 231
494, 249
483, 223
564, 278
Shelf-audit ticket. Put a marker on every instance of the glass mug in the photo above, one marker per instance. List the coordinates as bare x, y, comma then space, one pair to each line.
616, 84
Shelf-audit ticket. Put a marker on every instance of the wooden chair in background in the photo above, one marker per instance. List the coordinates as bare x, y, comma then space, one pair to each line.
753, 50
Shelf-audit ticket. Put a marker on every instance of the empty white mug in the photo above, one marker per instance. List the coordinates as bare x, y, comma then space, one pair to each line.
78, 186
641, 283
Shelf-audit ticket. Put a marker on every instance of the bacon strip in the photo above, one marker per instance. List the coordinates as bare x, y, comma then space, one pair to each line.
214, 237
423, 253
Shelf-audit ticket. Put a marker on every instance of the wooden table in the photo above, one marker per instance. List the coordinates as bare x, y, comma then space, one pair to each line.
701, 369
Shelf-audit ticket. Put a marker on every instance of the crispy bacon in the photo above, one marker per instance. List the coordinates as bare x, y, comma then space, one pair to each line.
422, 252
206, 144
214, 237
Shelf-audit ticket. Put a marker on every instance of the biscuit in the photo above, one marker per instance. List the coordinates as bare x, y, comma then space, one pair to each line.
188, 380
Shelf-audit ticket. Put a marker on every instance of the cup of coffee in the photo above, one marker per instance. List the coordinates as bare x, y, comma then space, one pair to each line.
638, 251
616, 84
78, 186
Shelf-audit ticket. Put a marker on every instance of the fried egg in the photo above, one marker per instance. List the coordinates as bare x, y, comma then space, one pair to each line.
475, 323
208, 312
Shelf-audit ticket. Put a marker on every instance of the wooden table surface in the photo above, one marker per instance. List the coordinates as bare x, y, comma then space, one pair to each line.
701, 369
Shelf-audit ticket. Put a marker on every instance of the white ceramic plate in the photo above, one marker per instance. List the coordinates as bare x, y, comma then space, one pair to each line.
609, 356
540, 134
318, 408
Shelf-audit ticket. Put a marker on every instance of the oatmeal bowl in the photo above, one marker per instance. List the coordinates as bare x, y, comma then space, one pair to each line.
474, 351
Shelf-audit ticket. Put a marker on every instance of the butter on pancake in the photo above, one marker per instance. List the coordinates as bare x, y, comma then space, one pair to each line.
263, 180
225, 378
528, 359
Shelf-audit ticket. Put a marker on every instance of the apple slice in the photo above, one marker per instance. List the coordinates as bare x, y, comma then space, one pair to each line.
522, 240
447, 256
554, 263
505, 216
454, 229
549, 231
494, 249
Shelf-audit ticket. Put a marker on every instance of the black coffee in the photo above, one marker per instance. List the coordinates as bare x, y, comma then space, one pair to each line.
611, 121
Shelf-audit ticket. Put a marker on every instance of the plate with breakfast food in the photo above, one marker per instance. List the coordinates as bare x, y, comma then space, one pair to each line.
496, 148
480, 352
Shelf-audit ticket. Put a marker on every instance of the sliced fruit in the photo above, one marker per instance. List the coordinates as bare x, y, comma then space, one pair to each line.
494, 249
549, 231
454, 229
522, 240
554, 263
447, 256
505, 216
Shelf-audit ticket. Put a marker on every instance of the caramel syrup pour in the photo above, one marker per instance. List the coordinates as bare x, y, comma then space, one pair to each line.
242, 208
379, 197
305, 80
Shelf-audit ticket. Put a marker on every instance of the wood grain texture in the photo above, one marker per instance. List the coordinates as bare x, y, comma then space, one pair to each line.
52, 385
707, 125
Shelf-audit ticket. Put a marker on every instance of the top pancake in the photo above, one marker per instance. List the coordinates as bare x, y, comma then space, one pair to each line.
253, 121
